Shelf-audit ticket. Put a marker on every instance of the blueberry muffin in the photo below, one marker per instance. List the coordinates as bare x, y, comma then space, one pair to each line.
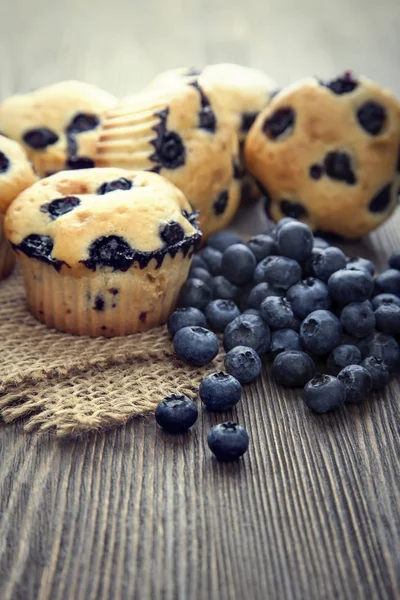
326, 153
179, 134
57, 125
243, 91
16, 174
103, 251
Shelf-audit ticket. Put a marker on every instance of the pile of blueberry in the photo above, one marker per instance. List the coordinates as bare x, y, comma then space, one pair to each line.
293, 297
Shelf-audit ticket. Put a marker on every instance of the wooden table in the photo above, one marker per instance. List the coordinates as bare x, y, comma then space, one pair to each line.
312, 511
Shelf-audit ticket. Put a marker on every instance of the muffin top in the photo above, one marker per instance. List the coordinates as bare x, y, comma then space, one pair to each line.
243, 91
57, 124
16, 173
93, 219
326, 153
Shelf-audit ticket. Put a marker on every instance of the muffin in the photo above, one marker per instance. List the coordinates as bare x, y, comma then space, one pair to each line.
102, 251
57, 125
178, 133
244, 93
327, 152
16, 174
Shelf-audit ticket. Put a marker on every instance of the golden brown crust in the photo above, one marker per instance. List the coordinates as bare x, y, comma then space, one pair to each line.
54, 107
326, 122
16, 173
199, 158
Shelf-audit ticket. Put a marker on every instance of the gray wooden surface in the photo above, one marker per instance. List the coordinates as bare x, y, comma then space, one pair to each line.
312, 512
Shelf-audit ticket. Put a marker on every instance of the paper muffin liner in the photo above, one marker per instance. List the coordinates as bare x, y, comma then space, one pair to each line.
7, 256
104, 303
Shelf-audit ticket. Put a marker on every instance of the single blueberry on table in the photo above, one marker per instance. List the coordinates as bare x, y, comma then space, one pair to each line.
357, 263
195, 293
262, 245
293, 368
307, 296
382, 299
387, 318
222, 288
357, 382
247, 330
324, 393
358, 319
223, 239
259, 292
279, 271
378, 369
283, 340
195, 345
342, 356
219, 313
388, 282
243, 363
199, 273
381, 345
276, 312
176, 413
328, 262
184, 317
295, 240
220, 391
228, 441
320, 332
212, 258
394, 260
346, 286
238, 264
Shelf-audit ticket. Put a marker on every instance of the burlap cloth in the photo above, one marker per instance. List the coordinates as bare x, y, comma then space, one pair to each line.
73, 385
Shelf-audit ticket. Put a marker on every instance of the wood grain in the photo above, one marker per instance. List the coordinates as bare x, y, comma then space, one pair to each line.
312, 511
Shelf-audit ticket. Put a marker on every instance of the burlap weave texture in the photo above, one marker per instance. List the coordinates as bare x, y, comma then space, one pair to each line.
72, 384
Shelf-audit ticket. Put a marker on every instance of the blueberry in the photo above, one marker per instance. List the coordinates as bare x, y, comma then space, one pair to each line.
342, 356
307, 296
347, 286
372, 117
381, 345
197, 261
247, 330
308, 264
292, 209
384, 299
195, 345
40, 138
388, 319
259, 292
394, 260
228, 441
378, 370
60, 206
358, 319
252, 311
281, 121
220, 391
183, 317
176, 413
238, 264
277, 312
293, 368
328, 262
262, 245
295, 240
222, 288
219, 313
296, 324
243, 363
195, 293
357, 263
4, 162
172, 233
274, 233
357, 382
319, 242
213, 259
344, 84
388, 282
324, 393
283, 340
199, 273
320, 332
223, 239
338, 166
280, 271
